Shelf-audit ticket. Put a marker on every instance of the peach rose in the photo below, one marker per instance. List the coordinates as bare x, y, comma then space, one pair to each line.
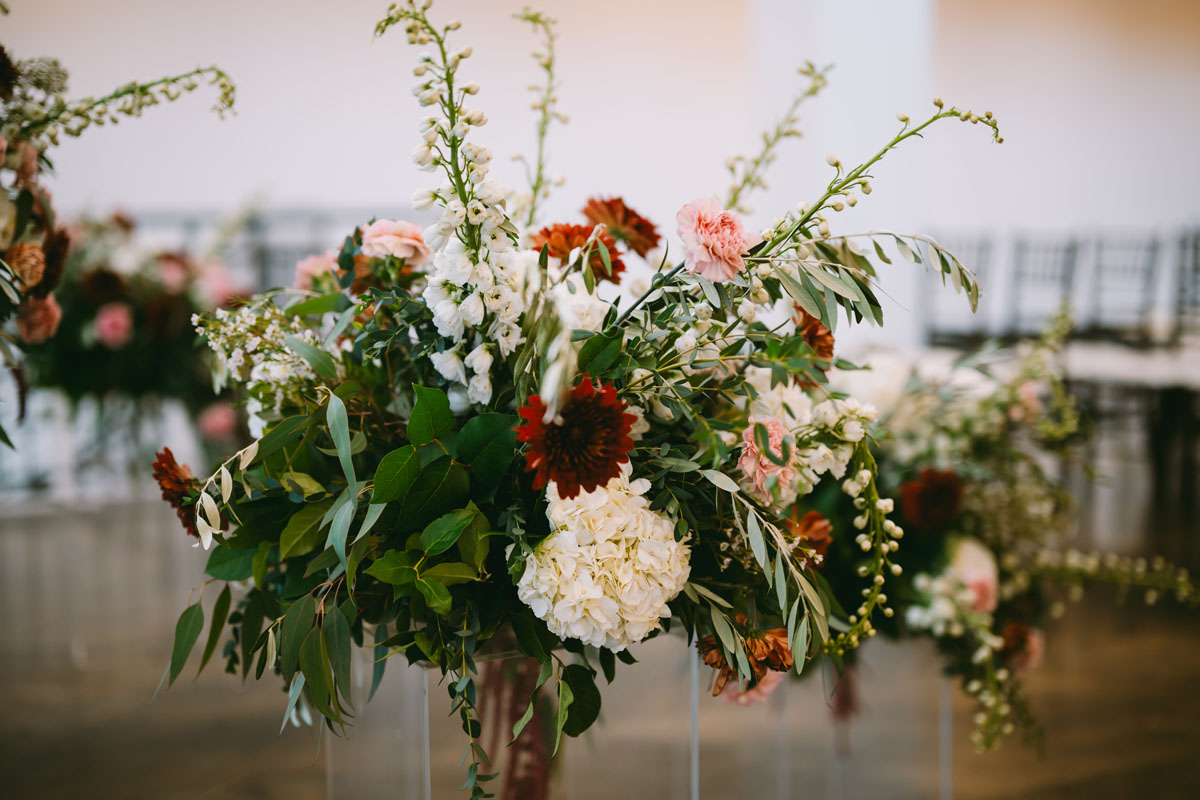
714, 239
757, 468
114, 325
313, 267
394, 237
38, 318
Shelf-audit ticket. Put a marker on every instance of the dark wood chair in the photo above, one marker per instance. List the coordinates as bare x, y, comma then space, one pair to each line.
1124, 279
1042, 277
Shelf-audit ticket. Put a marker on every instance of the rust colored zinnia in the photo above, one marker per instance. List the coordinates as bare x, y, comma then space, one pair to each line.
562, 239
765, 650
638, 233
28, 263
176, 483
932, 499
819, 338
584, 446
813, 528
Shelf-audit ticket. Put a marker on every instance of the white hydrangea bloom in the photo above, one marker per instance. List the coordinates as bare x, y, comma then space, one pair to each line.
609, 567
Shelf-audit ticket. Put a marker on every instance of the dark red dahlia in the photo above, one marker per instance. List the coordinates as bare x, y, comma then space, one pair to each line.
176, 483
628, 226
932, 499
584, 447
560, 240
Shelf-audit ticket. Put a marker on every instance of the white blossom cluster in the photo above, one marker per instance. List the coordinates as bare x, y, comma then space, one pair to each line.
609, 567
476, 286
250, 344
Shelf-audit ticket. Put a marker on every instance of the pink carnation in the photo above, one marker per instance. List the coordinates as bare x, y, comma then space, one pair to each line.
114, 325
757, 468
734, 693
714, 238
394, 237
218, 421
308, 269
38, 318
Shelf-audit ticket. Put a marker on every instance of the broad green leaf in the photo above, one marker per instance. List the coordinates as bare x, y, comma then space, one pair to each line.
320, 360
524, 626
585, 699
431, 415
488, 443
395, 567
380, 660
302, 533
187, 630
220, 613
230, 564
395, 474
258, 566
599, 353
441, 534
297, 622
302, 484
339, 429
441, 487
608, 663
436, 595
451, 574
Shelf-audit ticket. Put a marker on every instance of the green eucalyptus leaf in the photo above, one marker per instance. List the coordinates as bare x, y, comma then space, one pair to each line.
220, 613
187, 631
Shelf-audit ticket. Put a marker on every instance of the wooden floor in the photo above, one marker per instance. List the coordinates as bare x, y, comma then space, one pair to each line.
88, 599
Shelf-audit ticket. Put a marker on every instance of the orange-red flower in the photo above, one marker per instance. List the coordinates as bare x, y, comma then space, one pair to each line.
932, 499
562, 239
819, 338
813, 528
176, 483
765, 650
586, 444
28, 263
638, 233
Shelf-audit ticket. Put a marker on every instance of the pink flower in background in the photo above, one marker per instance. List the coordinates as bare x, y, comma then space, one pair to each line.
38, 318
733, 692
756, 466
1030, 402
394, 237
714, 238
975, 567
1024, 646
308, 269
218, 421
217, 284
173, 272
114, 325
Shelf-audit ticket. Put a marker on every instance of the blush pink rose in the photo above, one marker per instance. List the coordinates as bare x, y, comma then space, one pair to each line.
308, 269
714, 239
734, 693
218, 421
114, 325
38, 318
756, 467
394, 237
975, 567
174, 273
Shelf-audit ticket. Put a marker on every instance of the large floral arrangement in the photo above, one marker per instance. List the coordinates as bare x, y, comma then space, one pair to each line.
34, 116
472, 443
126, 326
972, 449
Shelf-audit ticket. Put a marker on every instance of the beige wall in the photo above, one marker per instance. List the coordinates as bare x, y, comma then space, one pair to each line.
1100, 106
